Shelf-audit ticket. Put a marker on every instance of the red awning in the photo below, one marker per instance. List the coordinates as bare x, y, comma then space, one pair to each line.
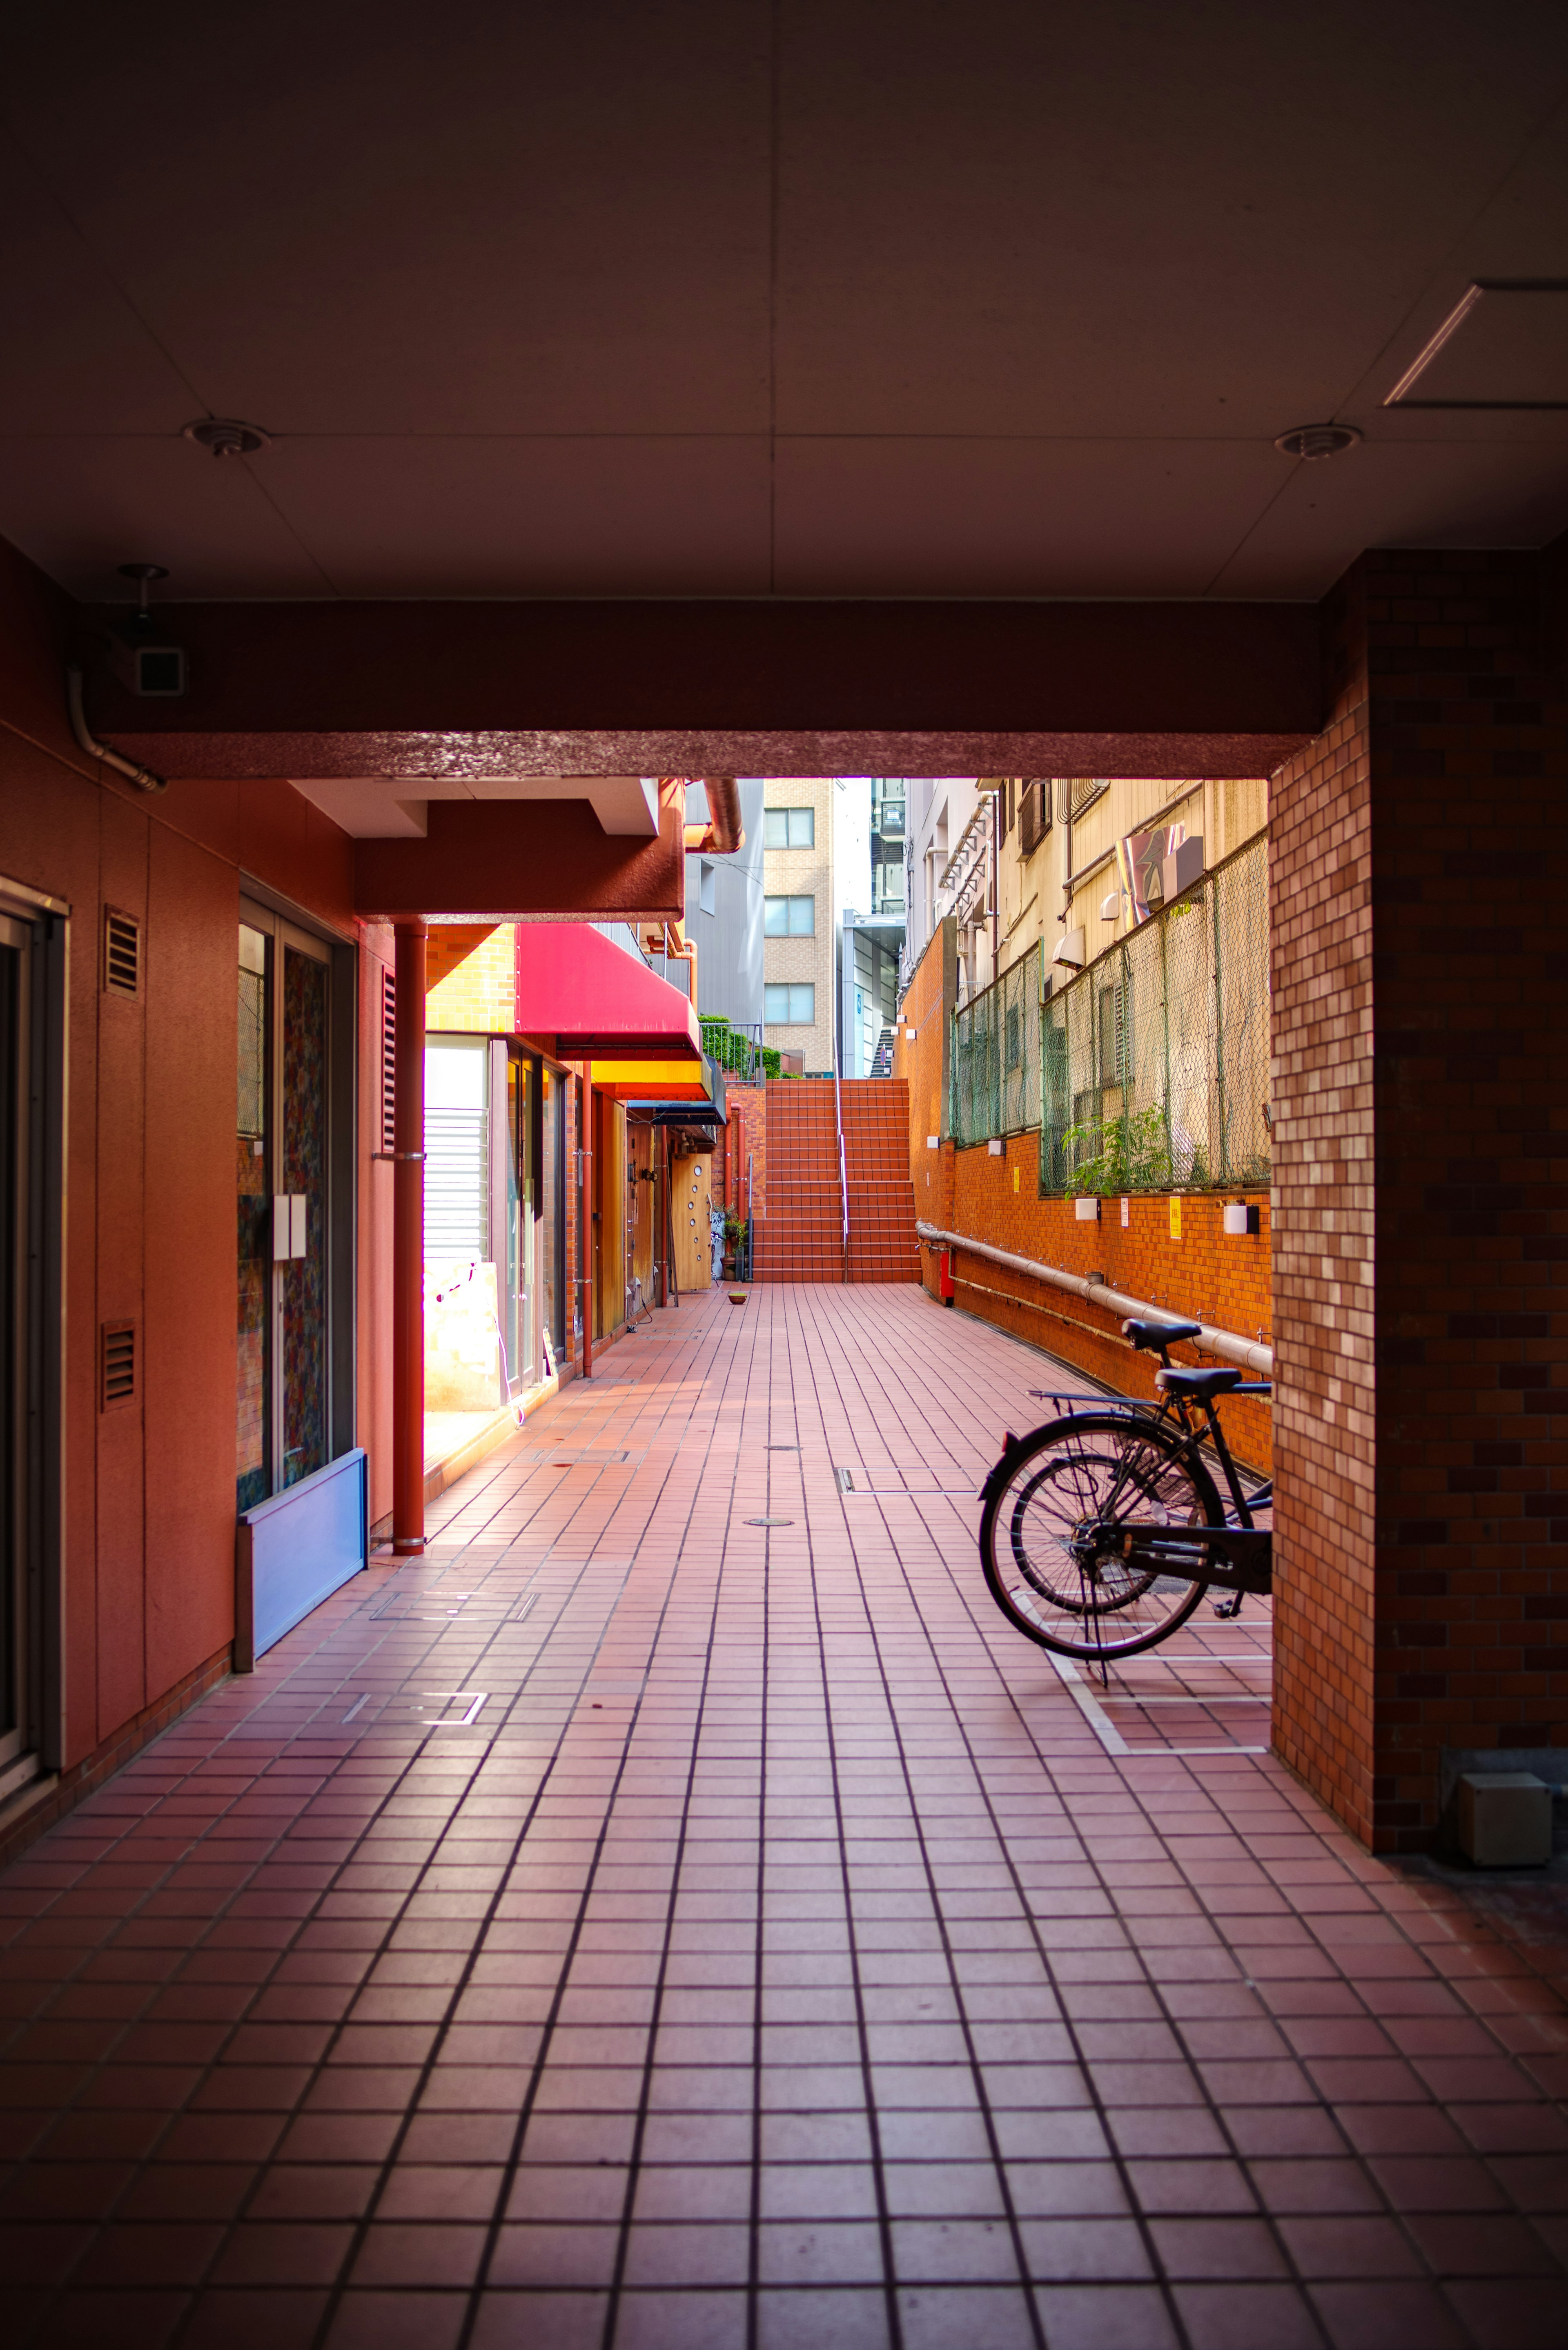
580, 989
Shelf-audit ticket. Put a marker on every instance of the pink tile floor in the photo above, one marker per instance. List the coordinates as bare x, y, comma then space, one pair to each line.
635, 1925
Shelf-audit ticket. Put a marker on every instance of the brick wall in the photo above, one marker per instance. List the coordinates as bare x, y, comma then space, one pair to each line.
922, 1066
1321, 1090
746, 1107
472, 978
1202, 1274
1420, 1037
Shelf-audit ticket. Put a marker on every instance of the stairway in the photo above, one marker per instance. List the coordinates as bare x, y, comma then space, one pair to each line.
882, 1243
800, 1238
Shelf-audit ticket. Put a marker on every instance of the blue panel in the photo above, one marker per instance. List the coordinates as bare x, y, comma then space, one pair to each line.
306, 1542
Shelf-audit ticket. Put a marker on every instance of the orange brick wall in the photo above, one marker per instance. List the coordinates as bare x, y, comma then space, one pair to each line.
746, 1109
1421, 1273
472, 979
1203, 1275
922, 1066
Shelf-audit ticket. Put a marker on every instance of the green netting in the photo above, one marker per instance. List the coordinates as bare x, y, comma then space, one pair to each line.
1154, 1061
995, 1059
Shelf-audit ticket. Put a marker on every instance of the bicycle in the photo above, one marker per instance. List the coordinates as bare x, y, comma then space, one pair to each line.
1112, 1526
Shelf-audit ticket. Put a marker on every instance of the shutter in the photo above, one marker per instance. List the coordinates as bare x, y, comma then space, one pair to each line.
117, 1365
457, 1168
122, 952
389, 1060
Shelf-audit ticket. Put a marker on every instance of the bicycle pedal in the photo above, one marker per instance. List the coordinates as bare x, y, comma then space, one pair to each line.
1231, 1605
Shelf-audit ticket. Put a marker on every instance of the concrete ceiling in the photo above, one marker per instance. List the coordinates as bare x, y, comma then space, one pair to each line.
750, 297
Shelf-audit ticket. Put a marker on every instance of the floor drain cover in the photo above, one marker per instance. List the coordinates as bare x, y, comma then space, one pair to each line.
770, 1522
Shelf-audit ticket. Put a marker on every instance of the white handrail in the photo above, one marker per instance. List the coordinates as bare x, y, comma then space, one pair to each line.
843, 1177
1257, 1358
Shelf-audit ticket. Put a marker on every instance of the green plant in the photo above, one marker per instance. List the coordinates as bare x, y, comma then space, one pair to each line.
1129, 1153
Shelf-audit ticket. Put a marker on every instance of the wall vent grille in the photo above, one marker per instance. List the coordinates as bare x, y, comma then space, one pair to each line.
117, 1359
389, 1060
122, 953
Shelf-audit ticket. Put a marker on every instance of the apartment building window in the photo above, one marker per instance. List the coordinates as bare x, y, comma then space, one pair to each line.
793, 1006
789, 917
793, 827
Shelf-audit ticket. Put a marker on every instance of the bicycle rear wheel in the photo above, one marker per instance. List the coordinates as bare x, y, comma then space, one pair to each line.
1051, 1536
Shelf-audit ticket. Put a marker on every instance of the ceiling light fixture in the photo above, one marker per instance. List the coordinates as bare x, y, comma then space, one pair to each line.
1317, 441
225, 436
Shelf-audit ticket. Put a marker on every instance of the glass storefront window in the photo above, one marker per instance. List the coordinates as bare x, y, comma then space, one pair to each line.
552, 1228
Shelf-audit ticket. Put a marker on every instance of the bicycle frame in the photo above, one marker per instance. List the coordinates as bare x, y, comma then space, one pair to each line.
1237, 1557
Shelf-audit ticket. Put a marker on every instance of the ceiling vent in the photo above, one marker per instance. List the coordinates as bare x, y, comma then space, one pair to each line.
116, 1358
1311, 440
122, 953
225, 436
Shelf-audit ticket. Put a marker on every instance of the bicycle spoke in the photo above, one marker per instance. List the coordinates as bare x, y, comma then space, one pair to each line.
1057, 1529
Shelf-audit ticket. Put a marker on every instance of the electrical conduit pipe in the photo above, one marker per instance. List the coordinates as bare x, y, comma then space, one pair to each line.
1258, 1360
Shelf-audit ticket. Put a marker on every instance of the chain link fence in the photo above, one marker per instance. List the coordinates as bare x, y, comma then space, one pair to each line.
996, 1055
1154, 1061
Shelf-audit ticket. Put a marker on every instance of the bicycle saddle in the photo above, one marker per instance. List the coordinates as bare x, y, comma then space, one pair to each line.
1197, 1384
1159, 1333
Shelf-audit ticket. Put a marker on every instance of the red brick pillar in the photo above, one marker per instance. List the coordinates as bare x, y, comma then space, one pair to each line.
1420, 1229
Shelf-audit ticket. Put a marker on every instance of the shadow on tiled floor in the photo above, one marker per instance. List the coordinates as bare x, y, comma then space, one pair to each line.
639, 1924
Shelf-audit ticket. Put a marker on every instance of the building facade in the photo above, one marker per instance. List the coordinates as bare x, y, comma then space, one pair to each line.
800, 919
724, 917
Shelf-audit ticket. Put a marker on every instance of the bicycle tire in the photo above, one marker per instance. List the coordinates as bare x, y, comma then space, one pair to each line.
1103, 1610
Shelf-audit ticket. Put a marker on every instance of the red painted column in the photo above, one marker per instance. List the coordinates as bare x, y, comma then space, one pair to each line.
409, 1244
586, 1268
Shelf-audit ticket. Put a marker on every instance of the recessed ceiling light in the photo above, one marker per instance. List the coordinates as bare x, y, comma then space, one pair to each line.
225, 436
1317, 440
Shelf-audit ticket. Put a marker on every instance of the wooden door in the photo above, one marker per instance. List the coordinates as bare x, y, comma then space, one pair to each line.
690, 1190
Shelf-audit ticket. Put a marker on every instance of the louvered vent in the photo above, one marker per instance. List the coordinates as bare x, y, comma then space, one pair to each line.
1081, 792
122, 953
118, 1364
389, 1060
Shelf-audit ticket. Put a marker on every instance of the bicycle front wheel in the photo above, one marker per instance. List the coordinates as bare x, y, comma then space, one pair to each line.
1052, 1535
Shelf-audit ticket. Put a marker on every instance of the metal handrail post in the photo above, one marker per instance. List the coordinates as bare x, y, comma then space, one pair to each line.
843, 1177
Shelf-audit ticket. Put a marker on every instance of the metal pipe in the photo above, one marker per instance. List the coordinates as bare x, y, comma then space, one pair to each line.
723, 834
843, 1177
142, 777
1258, 1360
408, 1240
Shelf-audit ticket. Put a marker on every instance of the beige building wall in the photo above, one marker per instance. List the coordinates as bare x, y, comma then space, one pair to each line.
1035, 903
800, 873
